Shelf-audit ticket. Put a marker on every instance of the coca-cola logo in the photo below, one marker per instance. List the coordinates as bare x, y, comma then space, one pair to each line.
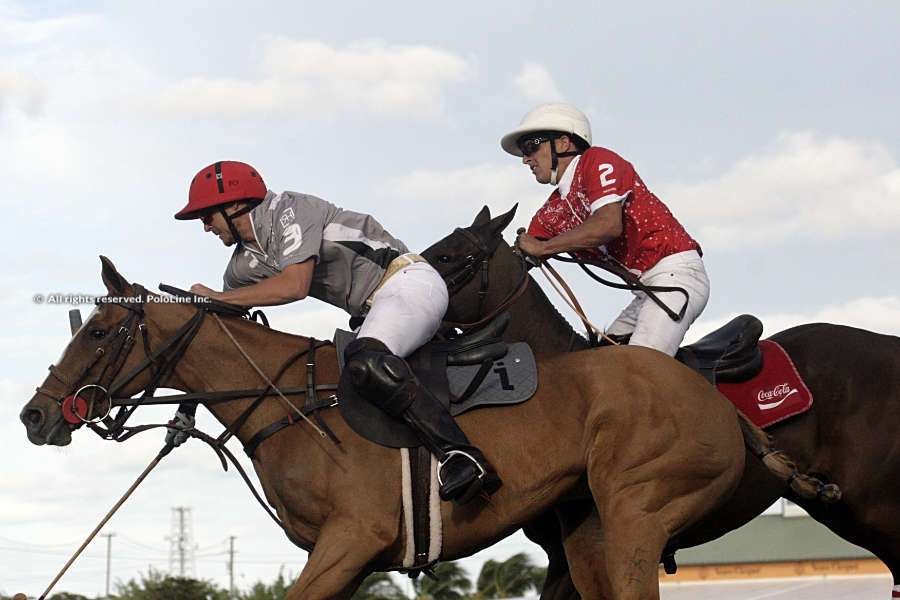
769, 399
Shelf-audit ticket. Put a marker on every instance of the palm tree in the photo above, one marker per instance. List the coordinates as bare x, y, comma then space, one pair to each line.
509, 578
379, 586
452, 583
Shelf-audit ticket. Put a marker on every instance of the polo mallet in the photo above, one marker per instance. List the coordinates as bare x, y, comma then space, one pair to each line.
165, 450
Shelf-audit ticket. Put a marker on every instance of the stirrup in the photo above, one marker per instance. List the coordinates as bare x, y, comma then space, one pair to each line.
447, 456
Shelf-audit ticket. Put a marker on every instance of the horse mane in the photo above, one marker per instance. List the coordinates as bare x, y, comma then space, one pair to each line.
552, 312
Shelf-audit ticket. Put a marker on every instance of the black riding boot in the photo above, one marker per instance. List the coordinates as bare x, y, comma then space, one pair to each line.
386, 379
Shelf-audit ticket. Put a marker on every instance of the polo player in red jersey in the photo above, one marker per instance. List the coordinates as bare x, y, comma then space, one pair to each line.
601, 209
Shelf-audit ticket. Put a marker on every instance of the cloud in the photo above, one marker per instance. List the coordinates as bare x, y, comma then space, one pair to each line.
879, 314
454, 196
16, 29
805, 186
536, 83
20, 90
300, 77
313, 319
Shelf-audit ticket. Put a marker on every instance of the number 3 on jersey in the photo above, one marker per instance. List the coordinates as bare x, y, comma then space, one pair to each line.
605, 169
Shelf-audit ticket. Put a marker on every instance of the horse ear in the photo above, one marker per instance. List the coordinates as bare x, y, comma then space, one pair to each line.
483, 217
498, 224
115, 283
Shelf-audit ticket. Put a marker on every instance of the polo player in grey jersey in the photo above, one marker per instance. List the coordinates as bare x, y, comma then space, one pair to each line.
289, 246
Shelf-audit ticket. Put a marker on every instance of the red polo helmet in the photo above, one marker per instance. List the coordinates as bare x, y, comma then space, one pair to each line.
221, 183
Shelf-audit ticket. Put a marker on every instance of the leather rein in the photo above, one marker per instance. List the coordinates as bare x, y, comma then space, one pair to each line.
161, 362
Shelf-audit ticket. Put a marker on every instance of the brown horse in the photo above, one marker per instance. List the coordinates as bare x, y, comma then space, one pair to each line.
848, 437
622, 420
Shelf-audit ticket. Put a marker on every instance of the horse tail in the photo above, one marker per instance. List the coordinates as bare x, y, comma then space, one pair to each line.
779, 464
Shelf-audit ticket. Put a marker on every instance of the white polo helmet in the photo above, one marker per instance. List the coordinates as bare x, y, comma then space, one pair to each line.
556, 116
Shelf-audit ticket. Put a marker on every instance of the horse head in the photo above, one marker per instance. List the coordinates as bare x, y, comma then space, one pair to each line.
479, 267
80, 385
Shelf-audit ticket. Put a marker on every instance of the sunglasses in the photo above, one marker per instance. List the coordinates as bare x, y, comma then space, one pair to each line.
530, 145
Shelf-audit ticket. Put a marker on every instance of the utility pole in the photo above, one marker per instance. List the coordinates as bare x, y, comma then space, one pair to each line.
231, 566
109, 537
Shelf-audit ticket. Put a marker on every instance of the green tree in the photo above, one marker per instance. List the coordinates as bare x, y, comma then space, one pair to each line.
379, 586
156, 586
452, 583
512, 577
277, 590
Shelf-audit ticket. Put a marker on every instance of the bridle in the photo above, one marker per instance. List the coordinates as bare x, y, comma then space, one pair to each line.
477, 264
76, 411
161, 362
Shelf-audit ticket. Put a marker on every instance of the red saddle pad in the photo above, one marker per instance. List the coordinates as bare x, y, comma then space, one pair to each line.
775, 394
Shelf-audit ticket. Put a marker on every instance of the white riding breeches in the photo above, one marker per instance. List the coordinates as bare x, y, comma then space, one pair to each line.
648, 324
407, 310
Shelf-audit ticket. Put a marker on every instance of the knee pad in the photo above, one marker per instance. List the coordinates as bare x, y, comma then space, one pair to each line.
380, 376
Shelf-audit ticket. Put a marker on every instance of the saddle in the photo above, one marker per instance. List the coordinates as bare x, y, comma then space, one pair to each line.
729, 354
474, 370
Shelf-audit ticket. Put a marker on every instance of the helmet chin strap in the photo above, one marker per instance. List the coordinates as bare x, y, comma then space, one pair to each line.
229, 219
554, 160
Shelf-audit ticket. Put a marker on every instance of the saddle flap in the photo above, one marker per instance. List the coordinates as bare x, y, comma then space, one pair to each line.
511, 378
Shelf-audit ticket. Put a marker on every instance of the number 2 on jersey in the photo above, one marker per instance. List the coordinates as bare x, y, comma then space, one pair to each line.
605, 169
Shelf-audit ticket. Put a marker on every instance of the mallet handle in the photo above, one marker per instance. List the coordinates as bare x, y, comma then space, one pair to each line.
166, 449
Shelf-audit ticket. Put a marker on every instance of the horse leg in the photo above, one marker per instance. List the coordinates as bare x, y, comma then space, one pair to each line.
644, 498
867, 522
631, 543
338, 563
545, 531
585, 550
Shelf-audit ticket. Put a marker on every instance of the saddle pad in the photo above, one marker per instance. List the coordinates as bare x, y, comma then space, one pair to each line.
512, 380
775, 394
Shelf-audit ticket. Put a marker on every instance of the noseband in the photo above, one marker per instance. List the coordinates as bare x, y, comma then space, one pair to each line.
77, 412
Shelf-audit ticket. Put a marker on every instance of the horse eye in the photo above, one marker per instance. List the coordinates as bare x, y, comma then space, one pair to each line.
98, 334
444, 258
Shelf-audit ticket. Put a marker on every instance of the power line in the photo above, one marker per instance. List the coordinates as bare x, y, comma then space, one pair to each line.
32, 544
134, 542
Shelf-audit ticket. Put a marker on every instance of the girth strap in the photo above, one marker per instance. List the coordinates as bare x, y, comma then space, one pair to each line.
266, 432
311, 403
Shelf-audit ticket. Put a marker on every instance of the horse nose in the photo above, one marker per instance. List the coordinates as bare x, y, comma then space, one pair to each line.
33, 419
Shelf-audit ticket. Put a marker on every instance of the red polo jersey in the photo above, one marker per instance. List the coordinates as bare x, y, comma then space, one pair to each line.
649, 232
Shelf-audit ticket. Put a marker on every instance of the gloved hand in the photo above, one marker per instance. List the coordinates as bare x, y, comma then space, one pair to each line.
176, 433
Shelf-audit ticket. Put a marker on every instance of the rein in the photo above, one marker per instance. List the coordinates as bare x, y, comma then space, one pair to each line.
632, 282
162, 362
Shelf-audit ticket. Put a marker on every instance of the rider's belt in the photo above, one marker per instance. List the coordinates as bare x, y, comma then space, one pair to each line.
404, 260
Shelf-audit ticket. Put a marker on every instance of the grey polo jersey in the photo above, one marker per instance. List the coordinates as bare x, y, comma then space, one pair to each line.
351, 249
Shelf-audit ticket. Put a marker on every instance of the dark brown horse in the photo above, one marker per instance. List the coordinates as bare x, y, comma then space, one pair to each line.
622, 420
851, 436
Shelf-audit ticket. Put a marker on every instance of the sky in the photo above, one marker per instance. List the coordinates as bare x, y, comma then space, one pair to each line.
769, 130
